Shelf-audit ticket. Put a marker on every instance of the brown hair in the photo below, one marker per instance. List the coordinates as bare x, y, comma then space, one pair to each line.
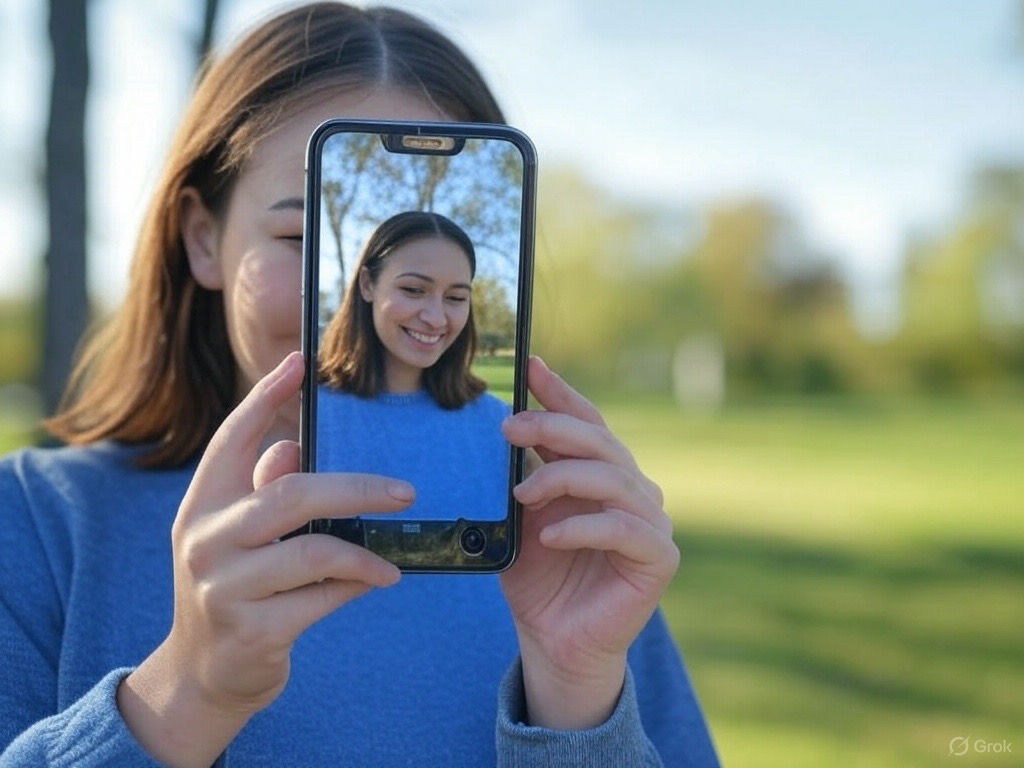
352, 355
162, 371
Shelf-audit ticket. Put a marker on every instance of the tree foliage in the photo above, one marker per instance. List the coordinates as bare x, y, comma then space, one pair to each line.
480, 189
615, 303
494, 315
964, 291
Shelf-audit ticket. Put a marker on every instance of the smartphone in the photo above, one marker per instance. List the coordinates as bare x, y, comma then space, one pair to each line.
417, 285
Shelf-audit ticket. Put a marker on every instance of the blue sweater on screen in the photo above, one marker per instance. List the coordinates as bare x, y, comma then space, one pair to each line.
457, 460
424, 673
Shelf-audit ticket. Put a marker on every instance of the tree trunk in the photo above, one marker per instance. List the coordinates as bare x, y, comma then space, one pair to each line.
205, 43
66, 303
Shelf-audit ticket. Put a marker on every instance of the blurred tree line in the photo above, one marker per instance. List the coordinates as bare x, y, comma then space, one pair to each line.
640, 298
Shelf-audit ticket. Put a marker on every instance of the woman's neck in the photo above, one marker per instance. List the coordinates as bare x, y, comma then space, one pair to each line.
402, 379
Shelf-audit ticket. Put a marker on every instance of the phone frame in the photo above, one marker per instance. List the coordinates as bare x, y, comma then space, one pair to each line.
367, 533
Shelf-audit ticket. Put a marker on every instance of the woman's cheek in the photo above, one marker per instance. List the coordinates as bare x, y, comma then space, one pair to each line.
269, 294
463, 317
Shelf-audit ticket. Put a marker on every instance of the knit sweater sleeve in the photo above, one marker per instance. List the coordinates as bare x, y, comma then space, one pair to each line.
619, 741
34, 573
90, 732
657, 720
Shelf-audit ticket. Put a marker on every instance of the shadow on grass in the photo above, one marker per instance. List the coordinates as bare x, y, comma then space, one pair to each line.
888, 647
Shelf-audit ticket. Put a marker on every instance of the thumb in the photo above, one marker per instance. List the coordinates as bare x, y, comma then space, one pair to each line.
229, 461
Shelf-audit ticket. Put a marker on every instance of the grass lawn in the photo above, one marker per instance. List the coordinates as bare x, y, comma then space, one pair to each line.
499, 373
852, 588
17, 427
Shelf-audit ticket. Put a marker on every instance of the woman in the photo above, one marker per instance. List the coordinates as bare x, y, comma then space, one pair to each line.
150, 613
397, 396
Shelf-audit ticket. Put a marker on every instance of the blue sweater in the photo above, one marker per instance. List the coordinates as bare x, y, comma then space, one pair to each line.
457, 460
421, 674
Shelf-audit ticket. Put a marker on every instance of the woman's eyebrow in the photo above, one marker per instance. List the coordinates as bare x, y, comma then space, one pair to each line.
288, 204
429, 279
418, 276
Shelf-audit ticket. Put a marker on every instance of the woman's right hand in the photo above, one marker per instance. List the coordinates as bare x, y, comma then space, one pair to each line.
241, 596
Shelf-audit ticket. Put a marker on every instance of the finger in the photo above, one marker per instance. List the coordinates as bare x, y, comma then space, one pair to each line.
303, 607
282, 458
292, 500
287, 565
555, 395
615, 530
555, 437
610, 485
568, 436
225, 472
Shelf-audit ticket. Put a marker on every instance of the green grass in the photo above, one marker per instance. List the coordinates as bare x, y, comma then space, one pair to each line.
852, 587
19, 419
499, 372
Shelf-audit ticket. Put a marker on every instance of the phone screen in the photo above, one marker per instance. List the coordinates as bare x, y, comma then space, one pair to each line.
418, 258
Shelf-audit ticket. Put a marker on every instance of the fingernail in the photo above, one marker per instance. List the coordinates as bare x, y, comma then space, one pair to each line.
526, 491
401, 492
291, 360
550, 533
392, 578
522, 417
543, 364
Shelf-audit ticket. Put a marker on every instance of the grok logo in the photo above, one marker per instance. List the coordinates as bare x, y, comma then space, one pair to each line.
961, 745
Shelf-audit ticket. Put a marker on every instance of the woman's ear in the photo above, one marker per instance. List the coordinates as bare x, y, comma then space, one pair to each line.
365, 285
200, 233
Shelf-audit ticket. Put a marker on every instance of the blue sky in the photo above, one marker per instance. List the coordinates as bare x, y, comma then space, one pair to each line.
865, 119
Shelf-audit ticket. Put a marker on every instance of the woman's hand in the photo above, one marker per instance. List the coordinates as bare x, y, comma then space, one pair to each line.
241, 595
596, 557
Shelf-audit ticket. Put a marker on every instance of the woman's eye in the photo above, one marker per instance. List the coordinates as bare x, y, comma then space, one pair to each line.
458, 299
292, 238
411, 290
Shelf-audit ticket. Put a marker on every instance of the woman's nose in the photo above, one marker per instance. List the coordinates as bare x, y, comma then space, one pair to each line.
433, 313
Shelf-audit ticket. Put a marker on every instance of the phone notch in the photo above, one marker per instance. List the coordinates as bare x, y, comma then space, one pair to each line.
420, 144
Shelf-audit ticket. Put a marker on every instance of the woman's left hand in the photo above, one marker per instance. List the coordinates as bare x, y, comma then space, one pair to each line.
596, 557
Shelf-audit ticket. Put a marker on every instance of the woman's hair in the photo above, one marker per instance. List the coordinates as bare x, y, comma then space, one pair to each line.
352, 355
162, 371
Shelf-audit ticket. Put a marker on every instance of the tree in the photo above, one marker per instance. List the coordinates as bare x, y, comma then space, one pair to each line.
66, 302
494, 315
963, 291
781, 308
345, 161
205, 42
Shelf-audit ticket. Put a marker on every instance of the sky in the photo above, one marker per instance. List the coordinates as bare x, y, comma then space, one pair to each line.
865, 120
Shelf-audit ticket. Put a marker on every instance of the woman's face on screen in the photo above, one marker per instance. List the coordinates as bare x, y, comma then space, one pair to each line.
420, 304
